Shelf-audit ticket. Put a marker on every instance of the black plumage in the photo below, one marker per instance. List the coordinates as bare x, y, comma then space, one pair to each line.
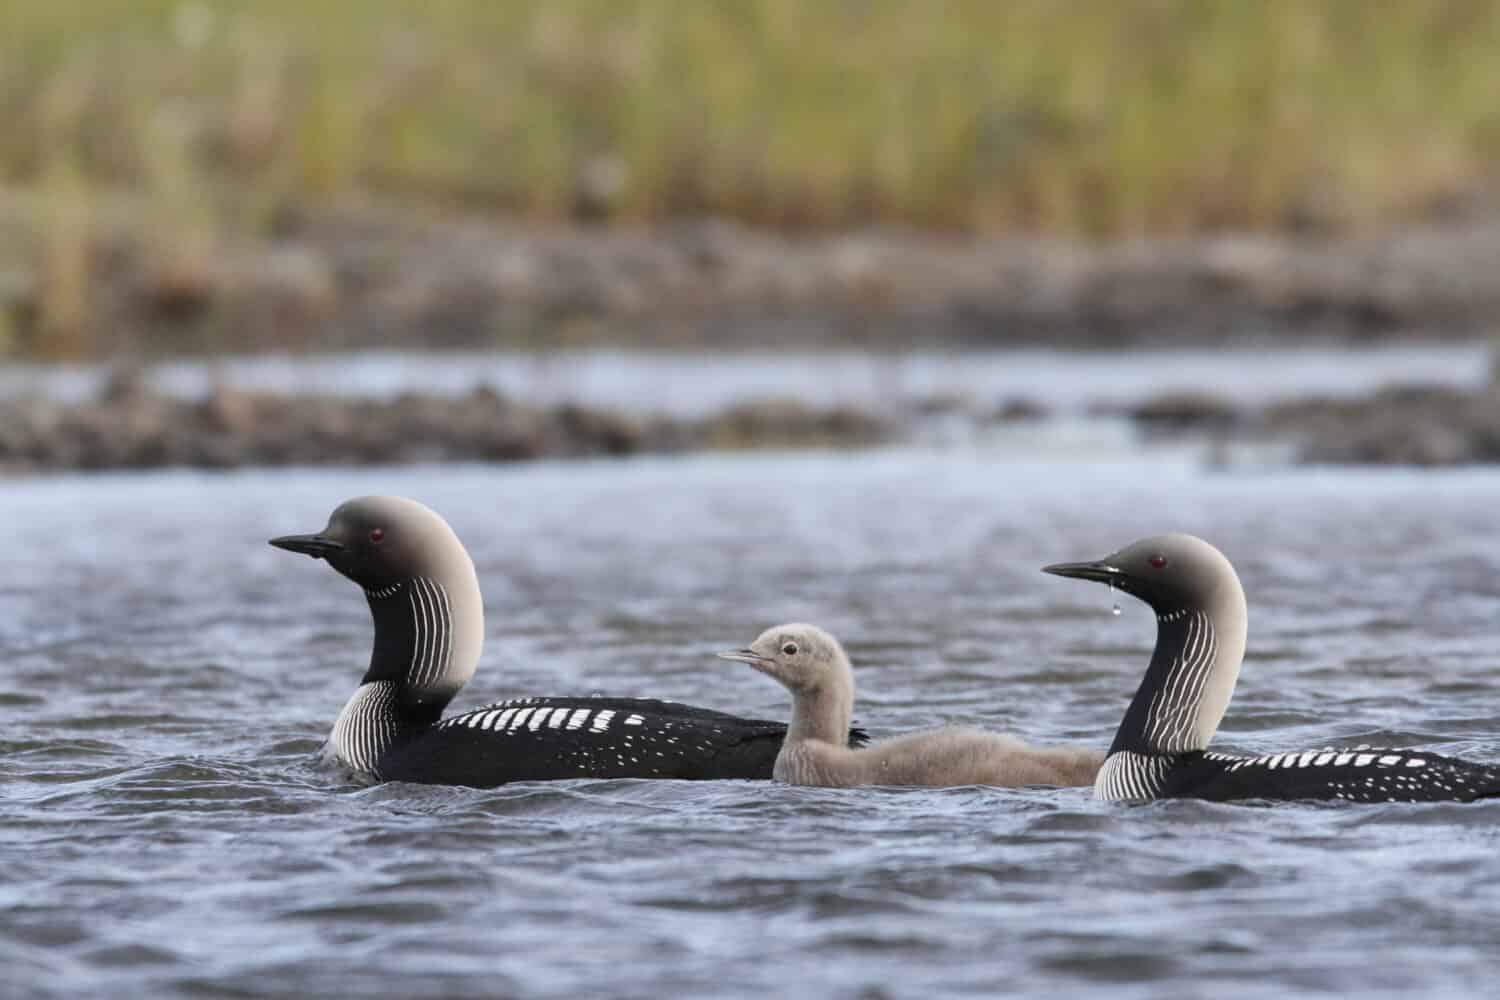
639, 738
1160, 749
428, 615
1351, 774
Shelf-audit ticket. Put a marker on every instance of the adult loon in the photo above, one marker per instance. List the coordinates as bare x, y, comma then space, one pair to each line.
429, 627
812, 665
1161, 748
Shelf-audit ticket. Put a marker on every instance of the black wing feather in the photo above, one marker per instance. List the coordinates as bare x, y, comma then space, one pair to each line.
1352, 774
539, 739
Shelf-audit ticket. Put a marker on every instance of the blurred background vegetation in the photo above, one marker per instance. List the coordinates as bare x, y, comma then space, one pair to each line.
203, 122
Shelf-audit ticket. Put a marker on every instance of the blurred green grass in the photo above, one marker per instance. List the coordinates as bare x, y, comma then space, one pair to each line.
204, 122
1091, 117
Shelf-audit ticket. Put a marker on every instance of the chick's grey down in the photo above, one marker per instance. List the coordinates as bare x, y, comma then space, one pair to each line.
812, 665
428, 614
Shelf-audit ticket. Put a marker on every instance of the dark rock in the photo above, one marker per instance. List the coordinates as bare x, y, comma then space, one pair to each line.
790, 422
1186, 410
179, 293
943, 404
228, 410
130, 426
1408, 425
127, 385
1019, 409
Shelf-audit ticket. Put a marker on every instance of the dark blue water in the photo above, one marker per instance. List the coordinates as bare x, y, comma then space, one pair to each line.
166, 830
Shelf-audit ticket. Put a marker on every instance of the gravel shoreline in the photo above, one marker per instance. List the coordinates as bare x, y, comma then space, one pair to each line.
1400, 425
359, 276
133, 426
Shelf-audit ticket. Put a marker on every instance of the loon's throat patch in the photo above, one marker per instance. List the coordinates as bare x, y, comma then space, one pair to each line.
1171, 724
432, 636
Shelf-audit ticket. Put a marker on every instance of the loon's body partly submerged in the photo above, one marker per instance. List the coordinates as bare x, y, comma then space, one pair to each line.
1349, 774
424, 598
1161, 748
553, 738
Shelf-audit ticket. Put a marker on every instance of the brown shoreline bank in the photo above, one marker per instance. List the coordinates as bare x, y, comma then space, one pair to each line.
1400, 425
362, 275
133, 426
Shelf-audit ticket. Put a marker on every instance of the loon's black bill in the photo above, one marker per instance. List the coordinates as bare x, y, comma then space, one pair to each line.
742, 655
317, 546
1097, 570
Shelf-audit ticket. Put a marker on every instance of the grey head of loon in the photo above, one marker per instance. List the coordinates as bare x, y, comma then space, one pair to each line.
812, 665
422, 590
1200, 638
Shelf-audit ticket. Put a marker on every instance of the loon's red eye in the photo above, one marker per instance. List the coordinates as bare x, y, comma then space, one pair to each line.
376, 534
1157, 562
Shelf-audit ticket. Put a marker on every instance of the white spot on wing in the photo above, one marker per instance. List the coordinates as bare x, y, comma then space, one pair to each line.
601, 721
634, 720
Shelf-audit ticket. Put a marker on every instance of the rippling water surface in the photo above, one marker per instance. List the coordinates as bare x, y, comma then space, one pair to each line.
169, 678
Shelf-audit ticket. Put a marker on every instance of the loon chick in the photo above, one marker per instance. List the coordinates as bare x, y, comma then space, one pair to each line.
1161, 748
429, 627
812, 665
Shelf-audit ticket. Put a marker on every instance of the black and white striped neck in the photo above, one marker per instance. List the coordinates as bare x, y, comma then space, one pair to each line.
1128, 776
1173, 710
401, 693
370, 724
385, 593
413, 650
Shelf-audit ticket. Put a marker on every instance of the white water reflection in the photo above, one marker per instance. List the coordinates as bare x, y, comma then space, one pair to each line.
695, 384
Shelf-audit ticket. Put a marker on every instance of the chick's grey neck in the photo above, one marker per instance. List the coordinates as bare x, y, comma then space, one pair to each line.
822, 713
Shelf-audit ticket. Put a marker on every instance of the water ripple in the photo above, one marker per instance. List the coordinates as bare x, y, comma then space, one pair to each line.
168, 829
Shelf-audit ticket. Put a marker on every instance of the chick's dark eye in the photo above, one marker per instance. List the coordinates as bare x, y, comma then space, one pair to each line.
1158, 562
377, 535
790, 649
